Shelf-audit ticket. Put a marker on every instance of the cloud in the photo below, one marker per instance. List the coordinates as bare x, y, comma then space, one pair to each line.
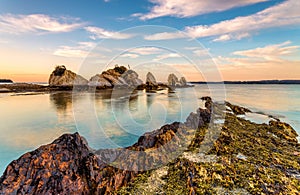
270, 56
16, 24
166, 36
141, 51
81, 50
166, 56
270, 52
146, 50
284, 14
190, 8
130, 55
100, 33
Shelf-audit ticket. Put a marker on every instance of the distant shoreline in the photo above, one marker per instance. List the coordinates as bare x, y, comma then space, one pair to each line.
292, 82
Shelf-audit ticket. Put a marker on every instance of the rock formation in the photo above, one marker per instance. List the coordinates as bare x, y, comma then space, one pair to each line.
183, 82
61, 77
132, 78
116, 77
99, 81
150, 80
245, 158
174, 82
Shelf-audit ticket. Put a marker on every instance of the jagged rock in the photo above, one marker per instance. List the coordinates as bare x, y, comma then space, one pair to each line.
172, 80
61, 77
150, 79
114, 79
132, 78
68, 166
99, 81
118, 76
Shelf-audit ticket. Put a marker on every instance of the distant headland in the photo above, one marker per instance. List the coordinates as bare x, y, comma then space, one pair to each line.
6, 81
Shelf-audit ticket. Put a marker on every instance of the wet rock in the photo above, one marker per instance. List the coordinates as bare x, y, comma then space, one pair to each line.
283, 130
67, 166
238, 110
61, 77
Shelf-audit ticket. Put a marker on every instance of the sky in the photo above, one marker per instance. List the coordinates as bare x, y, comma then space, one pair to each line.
201, 40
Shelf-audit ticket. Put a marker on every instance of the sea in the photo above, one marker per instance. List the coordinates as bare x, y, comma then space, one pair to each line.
113, 119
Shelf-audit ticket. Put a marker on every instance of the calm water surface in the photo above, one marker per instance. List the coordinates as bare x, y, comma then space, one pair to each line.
107, 119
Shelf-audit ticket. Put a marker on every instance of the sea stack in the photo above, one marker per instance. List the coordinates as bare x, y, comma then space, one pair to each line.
183, 82
151, 81
61, 77
172, 80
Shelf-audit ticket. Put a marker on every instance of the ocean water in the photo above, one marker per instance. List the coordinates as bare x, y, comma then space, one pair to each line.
110, 119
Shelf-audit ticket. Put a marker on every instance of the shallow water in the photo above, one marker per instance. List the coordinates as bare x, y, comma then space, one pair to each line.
108, 119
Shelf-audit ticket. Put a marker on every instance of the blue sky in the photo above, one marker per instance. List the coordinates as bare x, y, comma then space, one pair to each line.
233, 39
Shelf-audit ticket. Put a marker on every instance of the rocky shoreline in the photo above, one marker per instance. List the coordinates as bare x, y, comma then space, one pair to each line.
62, 79
244, 158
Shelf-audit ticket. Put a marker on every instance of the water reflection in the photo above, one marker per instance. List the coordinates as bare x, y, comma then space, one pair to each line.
62, 101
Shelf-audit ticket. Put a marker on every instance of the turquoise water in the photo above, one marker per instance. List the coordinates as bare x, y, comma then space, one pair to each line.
108, 119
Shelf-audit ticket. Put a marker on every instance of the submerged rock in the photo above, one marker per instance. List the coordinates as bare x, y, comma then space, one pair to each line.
61, 77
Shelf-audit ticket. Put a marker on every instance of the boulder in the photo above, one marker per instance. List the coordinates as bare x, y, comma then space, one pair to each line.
118, 76
114, 79
132, 78
99, 81
61, 77
150, 80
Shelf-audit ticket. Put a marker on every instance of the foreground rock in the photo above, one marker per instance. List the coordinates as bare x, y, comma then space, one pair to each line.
244, 158
61, 77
